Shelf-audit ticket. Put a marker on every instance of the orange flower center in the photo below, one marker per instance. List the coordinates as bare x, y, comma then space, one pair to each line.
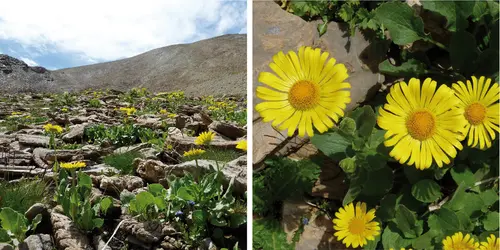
304, 95
421, 125
475, 113
357, 226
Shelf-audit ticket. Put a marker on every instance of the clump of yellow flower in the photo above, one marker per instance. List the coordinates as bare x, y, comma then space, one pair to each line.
355, 225
305, 91
163, 112
458, 241
479, 106
171, 115
205, 138
64, 110
242, 145
50, 128
491, 243
16, 113
128, 111
72, 165
194, 152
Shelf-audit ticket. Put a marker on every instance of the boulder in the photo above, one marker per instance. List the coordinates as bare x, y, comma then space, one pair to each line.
227, 129
75, 133
37, 242
150, 170
67, 235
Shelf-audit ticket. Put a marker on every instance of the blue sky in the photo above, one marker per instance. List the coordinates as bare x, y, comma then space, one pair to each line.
60, 34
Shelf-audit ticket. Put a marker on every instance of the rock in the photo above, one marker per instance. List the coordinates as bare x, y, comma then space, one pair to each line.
34, 140
229, 130
67, 235
149, 153
189, 110
35, 209
150, 170
236, 169
277, 30
148, 232
132, 148
318, 233
75, 133
171, 131
331, 183
5, 246
185, 143
115, 184
203, 117
37, 242
19, 170
181, 120
101, 169
150, 122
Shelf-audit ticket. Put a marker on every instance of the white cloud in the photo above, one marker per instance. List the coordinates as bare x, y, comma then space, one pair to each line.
28, 61
112, 29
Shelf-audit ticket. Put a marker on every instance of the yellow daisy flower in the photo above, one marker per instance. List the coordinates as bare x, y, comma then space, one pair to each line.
194, 152
304, 91
205, 138
458, 241
163, 111
422, 123
492, 243
72, 165
355, 225
56, 129
479, 105
242, 145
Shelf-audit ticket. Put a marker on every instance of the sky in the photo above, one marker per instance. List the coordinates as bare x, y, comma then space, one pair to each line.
59, 34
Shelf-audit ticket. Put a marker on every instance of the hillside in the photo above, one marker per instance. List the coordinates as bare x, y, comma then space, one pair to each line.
216, 65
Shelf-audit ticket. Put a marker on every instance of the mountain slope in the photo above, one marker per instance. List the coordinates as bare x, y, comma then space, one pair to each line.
212, 66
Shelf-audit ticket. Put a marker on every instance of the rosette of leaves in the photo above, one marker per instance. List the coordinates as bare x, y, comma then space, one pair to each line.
13, 226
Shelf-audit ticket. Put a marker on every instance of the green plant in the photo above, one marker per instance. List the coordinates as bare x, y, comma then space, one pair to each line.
95, 103
13, 225
22, 195
65, 99
120, 135
416, 208
74, 197
216, 154
122, 162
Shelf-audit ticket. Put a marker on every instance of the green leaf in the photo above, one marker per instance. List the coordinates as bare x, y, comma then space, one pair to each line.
401, 21
455, 12
463, 51
332, 144
393, 238
348, 125
462, 173
98, 222
407, 222
473, 205
322, 28
355, 187
219, 222
491, 220
487, 63
480, 9
35, 222
106, 203
155, 189
489, 197
445, 220
465, 222
387, 207
237, 220
14, 222
185, 193
348, 165
458, 201
126, 197
4, 236
199, 216
84, 180
412, 67
143, 200
426, 191
268, 234
424, 241
365, 121
378, 182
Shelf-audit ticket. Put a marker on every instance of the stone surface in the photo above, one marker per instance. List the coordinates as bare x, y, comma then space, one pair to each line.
115, 184
37, 242
5, 246
147, 232
277, 30
35, 209
34, 140
229, 130
67, 235
150, 170
75, 133
132, 148
185, 143
101, 169
318, 233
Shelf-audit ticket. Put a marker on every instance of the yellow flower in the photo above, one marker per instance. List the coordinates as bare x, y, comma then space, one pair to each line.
242, 145
163, 112
304, 91
205, 138
479, 105
492, 243
129, 111
355, 225
16, 113
56, 129
64, 110
194, 152
458, 241
171, 115
422, 124
72, 165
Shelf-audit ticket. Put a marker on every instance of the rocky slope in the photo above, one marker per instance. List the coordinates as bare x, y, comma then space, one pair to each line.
216, 65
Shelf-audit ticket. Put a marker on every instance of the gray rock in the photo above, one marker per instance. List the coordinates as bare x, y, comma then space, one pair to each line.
185, 143
148, 232
34, 140
229, 130
116, 184
5, 246
37, 242
128, 149
75, 133
149, 122
101, 169
150, 170
149, 153
37, 208
66, 234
